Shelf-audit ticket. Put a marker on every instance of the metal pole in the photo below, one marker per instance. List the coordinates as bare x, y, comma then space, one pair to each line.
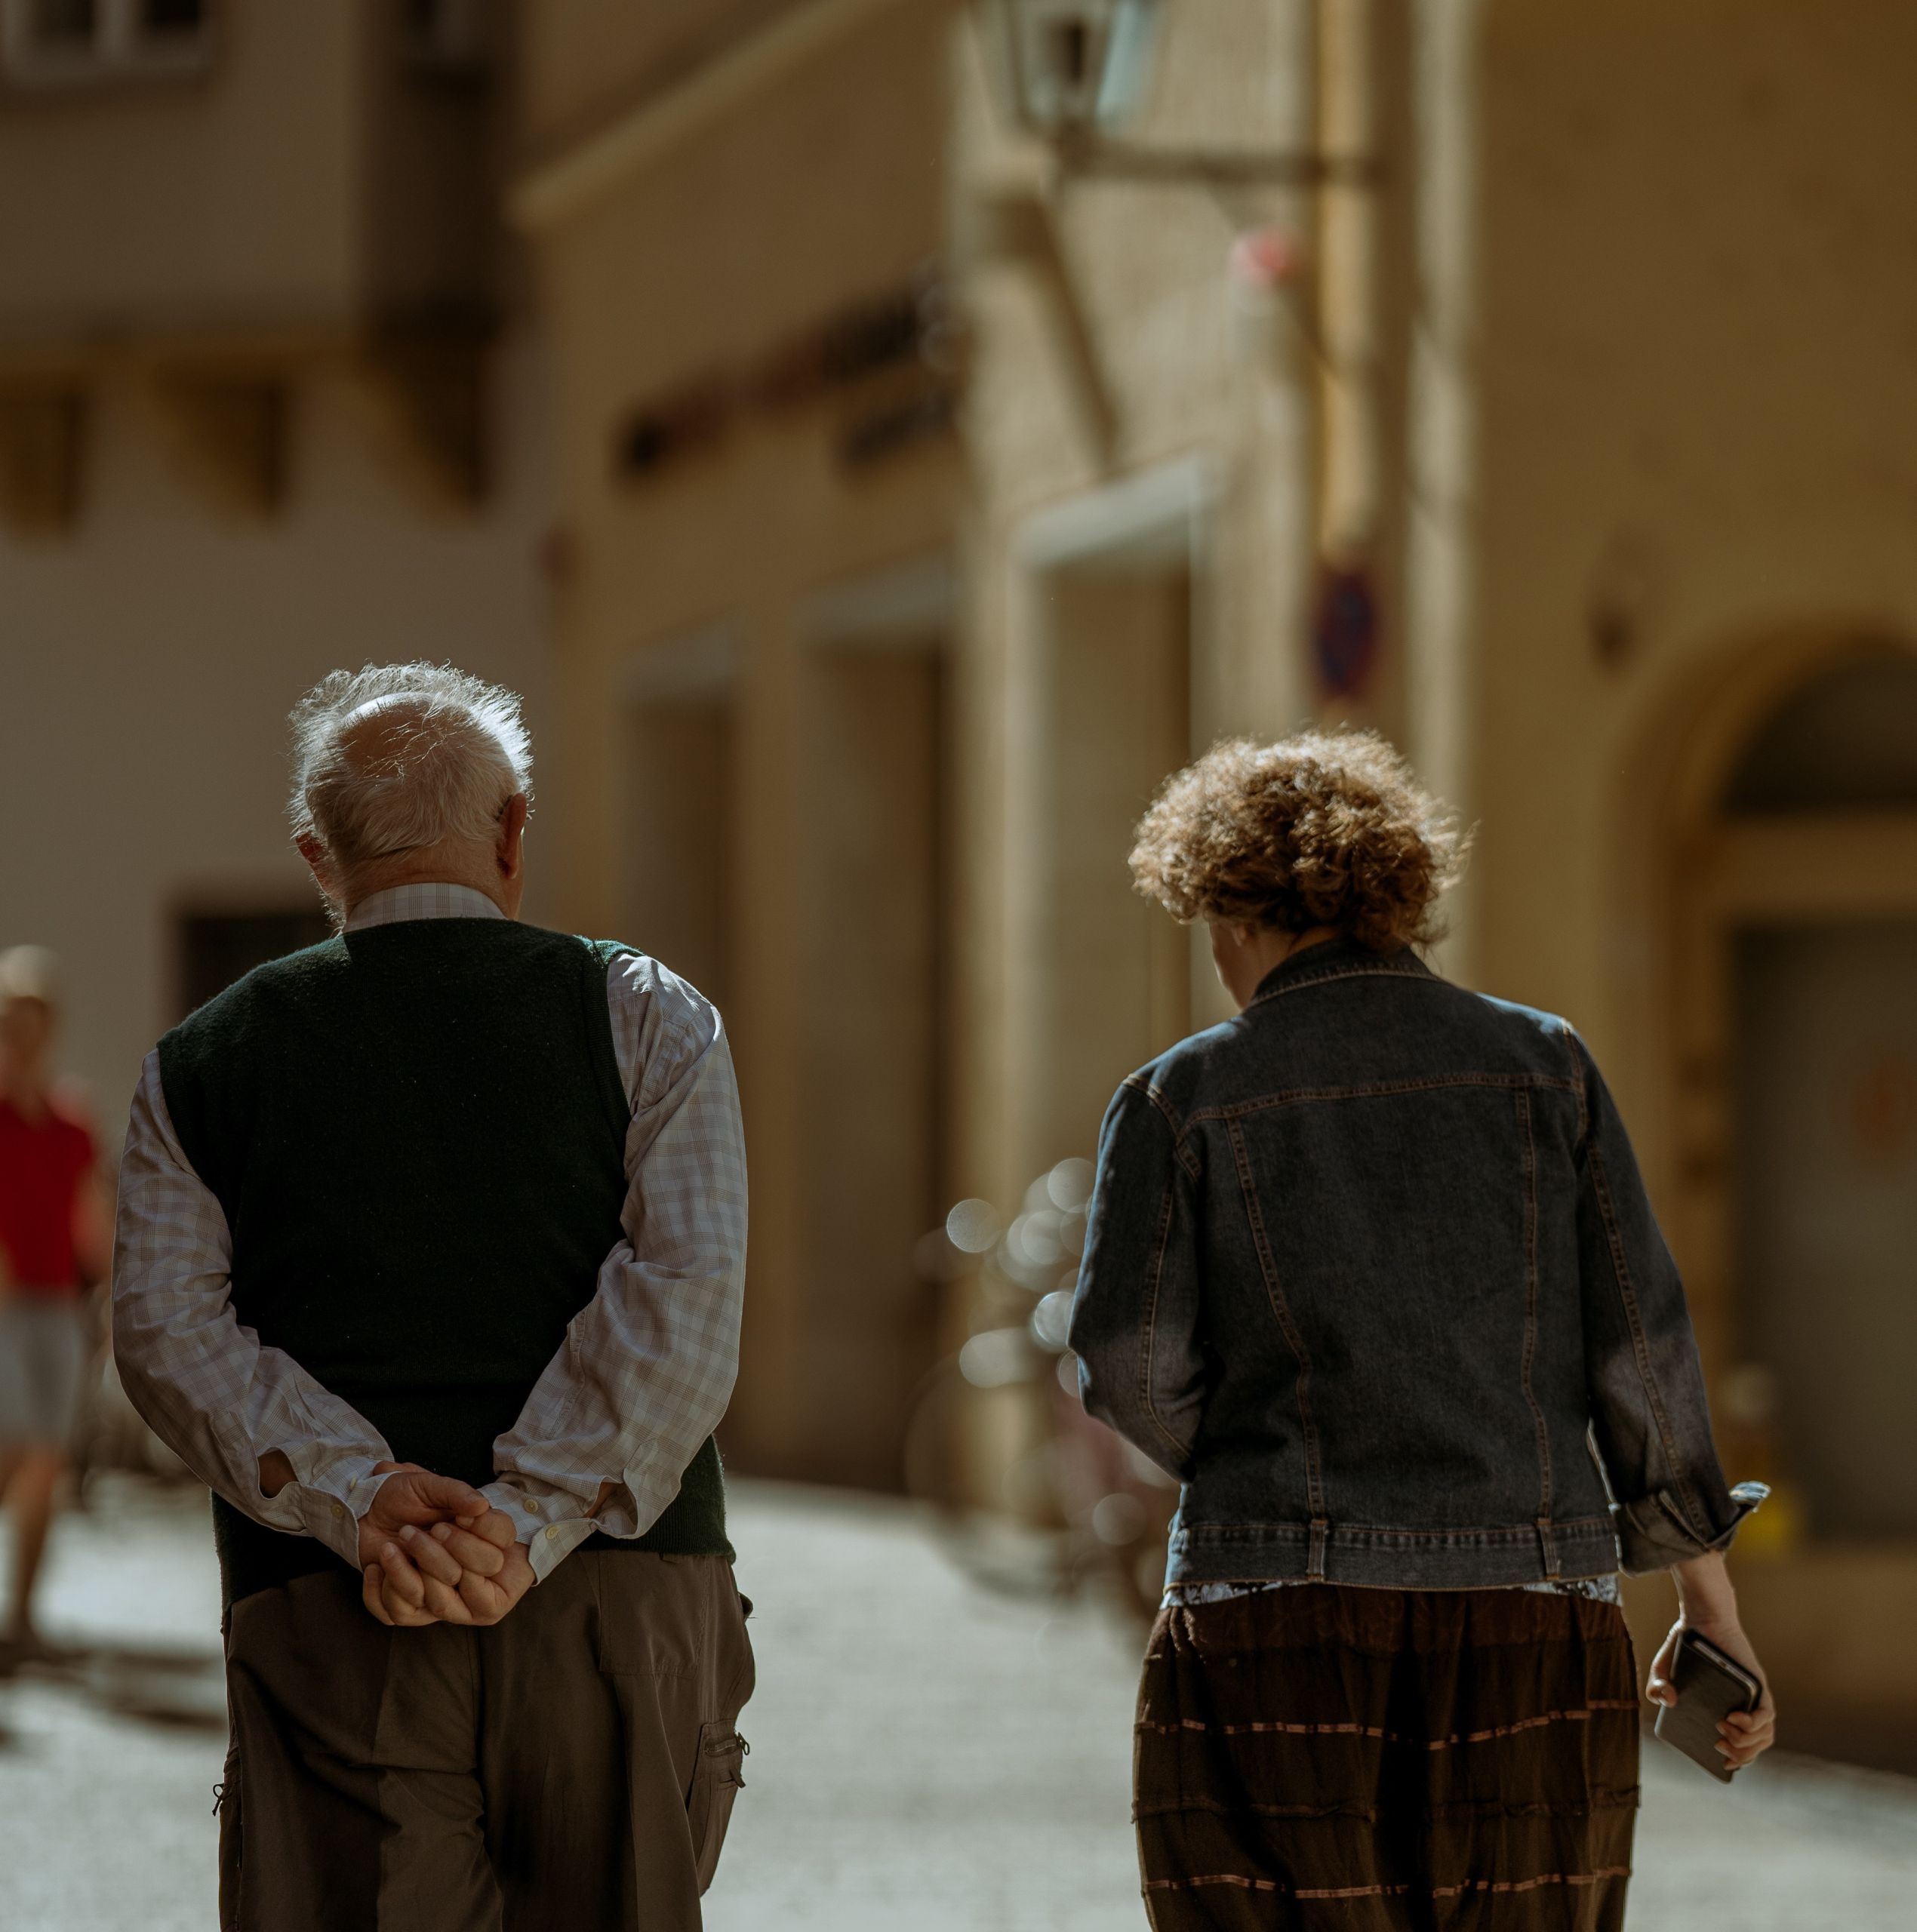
1185, 167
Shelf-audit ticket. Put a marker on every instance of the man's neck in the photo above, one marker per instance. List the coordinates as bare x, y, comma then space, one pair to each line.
387, 880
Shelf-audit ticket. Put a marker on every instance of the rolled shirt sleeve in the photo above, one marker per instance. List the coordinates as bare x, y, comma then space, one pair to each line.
647, 1367
201, 1378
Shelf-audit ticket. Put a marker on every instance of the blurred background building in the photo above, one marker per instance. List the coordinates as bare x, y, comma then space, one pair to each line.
886, 436
269, 402
738, 217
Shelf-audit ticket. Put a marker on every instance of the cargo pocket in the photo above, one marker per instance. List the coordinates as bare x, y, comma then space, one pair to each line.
226, 1803
717, 1782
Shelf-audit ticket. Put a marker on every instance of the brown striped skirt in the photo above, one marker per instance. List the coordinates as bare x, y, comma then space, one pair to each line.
1324, 1757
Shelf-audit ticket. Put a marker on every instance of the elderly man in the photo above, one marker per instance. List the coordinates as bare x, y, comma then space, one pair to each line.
431, 1249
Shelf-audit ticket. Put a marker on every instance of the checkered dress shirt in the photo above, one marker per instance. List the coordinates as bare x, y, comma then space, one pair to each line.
646, 1367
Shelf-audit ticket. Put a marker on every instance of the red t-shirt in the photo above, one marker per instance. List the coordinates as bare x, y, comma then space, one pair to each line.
42, 1163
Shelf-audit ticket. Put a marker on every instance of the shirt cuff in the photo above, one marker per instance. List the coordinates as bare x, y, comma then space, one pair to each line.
551, 1526
331, 1502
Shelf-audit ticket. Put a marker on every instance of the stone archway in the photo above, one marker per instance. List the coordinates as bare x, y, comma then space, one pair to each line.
1671, 842
1770, 873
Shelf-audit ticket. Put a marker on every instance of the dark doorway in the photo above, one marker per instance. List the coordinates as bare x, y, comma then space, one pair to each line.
216, 948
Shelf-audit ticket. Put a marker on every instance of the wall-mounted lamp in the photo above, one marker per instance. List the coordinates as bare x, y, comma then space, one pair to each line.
1077, 70
1077, 66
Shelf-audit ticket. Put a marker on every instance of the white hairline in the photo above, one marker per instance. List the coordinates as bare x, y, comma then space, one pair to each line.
471, 755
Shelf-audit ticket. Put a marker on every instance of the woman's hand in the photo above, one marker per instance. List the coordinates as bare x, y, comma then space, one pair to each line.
1708, 1605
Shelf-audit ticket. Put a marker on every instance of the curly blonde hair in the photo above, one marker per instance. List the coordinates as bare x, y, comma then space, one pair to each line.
1326, 829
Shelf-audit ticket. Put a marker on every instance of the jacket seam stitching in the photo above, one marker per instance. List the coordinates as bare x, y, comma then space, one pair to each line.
1155, 1095
1521, 1102
1146, 1361
1515, 1532
1374, 1090
1640, 1344
1288, 1326
1381, 971
1658, 1518
1570, 1034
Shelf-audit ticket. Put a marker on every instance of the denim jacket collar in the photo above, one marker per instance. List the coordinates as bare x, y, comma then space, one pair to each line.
1339, 958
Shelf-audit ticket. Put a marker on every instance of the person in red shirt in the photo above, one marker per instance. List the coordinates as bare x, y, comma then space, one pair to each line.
52, 1245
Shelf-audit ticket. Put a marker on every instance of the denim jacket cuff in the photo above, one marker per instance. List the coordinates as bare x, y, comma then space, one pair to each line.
1654, 1532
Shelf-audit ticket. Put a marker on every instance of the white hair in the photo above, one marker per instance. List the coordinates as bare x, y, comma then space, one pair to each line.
397, 756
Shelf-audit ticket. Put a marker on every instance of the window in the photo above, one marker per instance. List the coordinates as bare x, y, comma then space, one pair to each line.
64, 24
159, 18
448, 36
216, 948
55, 43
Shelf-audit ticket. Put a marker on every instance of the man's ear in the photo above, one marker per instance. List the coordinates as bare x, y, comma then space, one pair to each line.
508, 847
314, 852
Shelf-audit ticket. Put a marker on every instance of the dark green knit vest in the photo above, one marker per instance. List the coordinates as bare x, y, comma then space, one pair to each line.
417, 1134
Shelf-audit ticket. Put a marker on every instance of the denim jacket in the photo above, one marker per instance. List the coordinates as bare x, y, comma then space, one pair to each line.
1370, 1269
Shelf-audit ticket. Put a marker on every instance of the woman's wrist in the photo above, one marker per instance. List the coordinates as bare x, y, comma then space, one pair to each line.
1706, 1595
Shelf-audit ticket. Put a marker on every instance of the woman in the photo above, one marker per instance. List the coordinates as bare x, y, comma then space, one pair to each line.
1371, 1271
52, 1241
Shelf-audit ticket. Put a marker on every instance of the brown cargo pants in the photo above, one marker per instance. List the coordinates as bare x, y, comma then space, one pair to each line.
573, 1766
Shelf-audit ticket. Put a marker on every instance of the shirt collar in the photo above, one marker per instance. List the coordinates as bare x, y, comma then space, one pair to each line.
427, 899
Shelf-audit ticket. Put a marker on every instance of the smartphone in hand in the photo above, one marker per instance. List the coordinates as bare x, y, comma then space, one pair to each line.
1709, 1686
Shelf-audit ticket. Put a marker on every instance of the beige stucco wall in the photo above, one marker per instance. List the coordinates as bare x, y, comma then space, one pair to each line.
1693, 414
818, 185
1214, 405
583, 61
768, 218
1655, 362
147, 663
1658, 369
1148, 260
427, 170
312, 177
230, 196
1694, 392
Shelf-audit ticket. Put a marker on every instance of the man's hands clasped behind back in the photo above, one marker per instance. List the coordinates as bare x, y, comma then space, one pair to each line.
432, 1550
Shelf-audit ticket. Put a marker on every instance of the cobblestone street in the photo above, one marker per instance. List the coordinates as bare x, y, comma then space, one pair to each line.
924, 1756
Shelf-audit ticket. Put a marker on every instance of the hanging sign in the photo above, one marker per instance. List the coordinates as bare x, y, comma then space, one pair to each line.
1344, 625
